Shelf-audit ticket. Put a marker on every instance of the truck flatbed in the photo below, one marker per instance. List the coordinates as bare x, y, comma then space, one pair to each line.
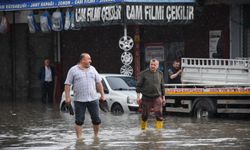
210, 86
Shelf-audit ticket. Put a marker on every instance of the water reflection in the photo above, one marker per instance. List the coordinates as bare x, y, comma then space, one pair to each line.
37, 126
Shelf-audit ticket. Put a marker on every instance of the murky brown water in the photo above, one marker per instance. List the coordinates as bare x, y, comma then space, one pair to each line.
37, 126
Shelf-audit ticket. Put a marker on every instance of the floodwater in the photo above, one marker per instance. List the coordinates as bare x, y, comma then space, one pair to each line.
35, 126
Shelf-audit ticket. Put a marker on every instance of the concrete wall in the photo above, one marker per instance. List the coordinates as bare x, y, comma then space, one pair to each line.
22, 63
246, 30
236, 31
5, 65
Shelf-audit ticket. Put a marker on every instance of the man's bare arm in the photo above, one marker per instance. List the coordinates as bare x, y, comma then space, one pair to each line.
173, 76
99, 87
67, 93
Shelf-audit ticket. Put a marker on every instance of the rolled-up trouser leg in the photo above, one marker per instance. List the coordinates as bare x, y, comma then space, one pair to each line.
158, 109
146, 106
80, 108
93, 108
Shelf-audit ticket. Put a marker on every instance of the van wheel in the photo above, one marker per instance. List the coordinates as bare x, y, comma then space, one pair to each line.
204, 108
117, 109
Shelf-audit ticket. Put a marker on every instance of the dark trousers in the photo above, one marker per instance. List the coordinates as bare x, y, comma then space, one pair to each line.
148, 105
47, 92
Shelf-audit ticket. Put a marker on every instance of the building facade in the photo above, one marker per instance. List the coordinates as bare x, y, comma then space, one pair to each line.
23, 52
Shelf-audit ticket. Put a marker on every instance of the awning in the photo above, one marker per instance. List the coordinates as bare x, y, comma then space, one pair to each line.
160, 1
12, 5
114, 12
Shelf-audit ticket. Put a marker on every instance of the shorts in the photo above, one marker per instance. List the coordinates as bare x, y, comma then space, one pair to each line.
93, 108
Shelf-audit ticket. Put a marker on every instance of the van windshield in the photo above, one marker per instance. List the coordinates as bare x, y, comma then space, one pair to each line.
121, 83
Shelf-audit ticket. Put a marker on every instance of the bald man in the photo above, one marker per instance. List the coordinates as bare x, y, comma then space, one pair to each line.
85, 80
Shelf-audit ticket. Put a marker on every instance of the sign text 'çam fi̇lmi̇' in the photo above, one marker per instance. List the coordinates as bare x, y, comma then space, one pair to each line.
159, 12
134, 14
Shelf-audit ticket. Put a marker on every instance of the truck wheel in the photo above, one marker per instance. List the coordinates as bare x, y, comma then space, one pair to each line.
117, 109
204, 108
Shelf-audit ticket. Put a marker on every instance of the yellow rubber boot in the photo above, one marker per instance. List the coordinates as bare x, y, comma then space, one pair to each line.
144, 125
159, 124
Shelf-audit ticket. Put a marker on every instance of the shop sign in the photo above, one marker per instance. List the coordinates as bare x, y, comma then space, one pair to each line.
10, 5
142, 14
159, 14
154, 52
98, 15
35, 4
161, 1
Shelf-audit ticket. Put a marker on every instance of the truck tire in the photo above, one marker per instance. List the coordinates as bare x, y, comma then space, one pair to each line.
204, 108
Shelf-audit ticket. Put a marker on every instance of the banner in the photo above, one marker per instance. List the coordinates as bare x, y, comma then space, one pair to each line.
141, 14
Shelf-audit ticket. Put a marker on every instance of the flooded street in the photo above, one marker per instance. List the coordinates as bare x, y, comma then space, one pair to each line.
37, 126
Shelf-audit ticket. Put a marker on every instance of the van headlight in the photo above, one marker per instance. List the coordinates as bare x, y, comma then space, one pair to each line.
129, 100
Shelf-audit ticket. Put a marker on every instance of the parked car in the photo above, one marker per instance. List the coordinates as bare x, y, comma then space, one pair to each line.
119, 92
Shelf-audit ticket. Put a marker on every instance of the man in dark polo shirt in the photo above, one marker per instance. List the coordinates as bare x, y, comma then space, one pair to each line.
174, 73
151, 85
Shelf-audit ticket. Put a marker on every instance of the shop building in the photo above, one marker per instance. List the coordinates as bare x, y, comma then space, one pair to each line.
165, 29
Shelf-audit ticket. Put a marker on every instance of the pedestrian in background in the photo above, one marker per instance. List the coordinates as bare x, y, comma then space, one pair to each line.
151, 85
47, 77
86, 81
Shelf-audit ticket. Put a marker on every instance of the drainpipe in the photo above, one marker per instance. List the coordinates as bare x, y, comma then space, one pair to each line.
58, 71
137, 52
58, 47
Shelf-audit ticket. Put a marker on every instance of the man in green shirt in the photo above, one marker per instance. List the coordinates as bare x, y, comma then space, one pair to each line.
151, 85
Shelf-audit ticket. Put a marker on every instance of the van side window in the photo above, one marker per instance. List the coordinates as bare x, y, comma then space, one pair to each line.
105, 88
